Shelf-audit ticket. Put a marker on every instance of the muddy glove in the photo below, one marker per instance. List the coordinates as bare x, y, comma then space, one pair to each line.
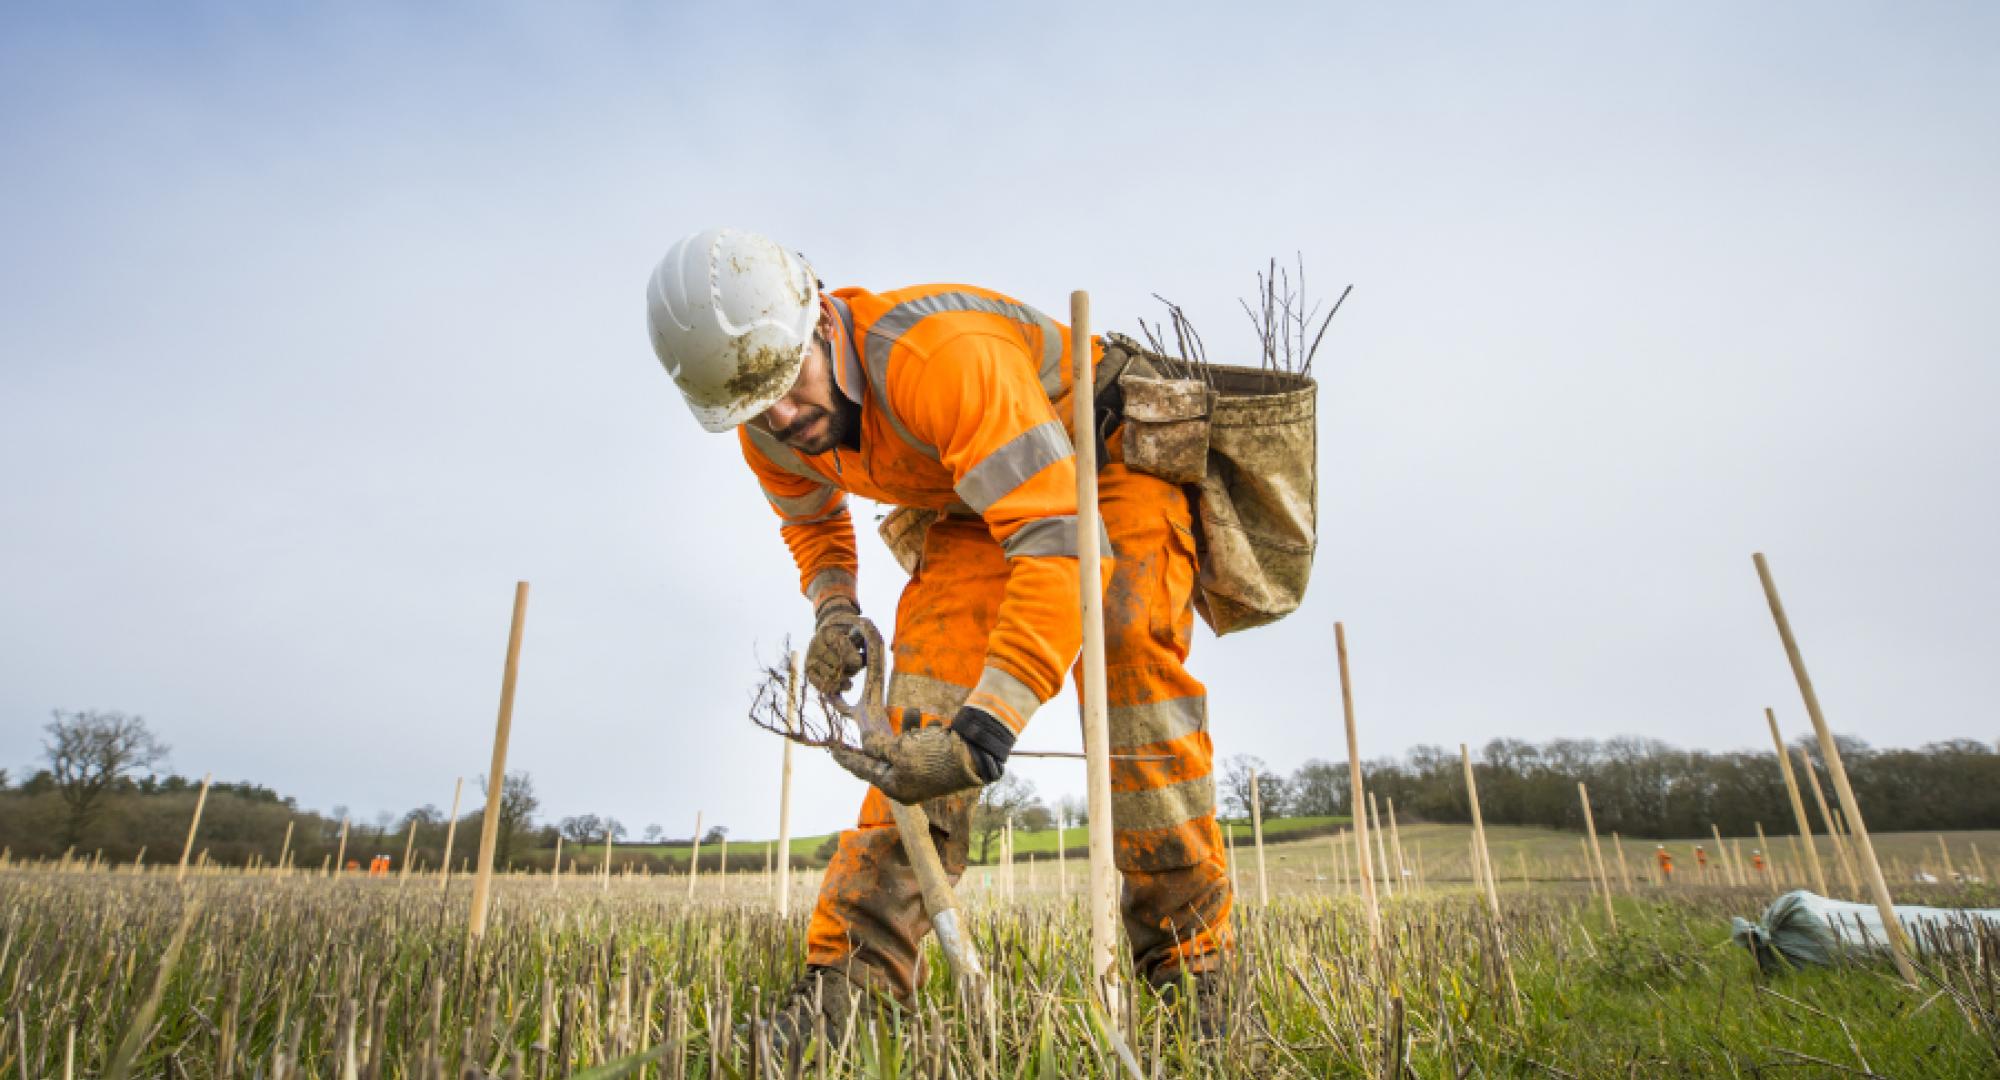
835, 653
924, 763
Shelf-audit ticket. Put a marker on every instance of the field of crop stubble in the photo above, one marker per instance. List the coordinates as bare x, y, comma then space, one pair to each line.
111, 973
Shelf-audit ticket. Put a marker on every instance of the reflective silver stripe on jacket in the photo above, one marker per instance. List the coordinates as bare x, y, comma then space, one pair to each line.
813, 515
829, 579
897, 321
784, 457
1164, 807
1007, 468
1161, 721
1052, 536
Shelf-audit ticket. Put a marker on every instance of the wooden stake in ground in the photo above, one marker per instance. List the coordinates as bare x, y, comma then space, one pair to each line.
1492, 887
1381, 846
1007, 858
1832, 825
609, 829
1062, 861
1723, 855
1396, 845
694, 855
1091, 690
340, 853
1811, 855
450, 833
722, 867
496, 773
1357, 798
409, 844
1624, 874
555, 871
1597, 853
785, 789
1830, 750
1257, 836
285, 849
194, 824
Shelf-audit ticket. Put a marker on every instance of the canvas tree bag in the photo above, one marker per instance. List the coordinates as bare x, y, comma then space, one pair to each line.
1246, 440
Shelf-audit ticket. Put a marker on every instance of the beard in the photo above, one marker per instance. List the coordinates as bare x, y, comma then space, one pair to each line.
808, 435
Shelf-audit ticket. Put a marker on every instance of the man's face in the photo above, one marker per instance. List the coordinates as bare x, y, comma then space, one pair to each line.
815, 416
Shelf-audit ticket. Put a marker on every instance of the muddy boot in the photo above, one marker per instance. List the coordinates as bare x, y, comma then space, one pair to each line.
1198, 999
819, 1005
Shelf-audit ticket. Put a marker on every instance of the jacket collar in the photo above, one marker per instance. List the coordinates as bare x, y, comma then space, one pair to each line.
848, 374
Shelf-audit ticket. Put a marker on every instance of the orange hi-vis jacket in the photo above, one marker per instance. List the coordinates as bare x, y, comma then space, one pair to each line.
964, 402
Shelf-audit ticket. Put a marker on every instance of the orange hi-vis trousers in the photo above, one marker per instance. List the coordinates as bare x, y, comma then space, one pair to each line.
870, 917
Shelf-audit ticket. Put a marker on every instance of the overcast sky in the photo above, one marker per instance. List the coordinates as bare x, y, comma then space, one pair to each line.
320, 328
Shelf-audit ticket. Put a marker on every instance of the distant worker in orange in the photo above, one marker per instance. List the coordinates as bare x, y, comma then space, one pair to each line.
951, 404
1666, 860
1756, 860
1701, 861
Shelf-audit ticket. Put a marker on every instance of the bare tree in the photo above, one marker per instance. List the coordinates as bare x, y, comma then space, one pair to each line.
518, 804
89, 752
1010, 797
1234, 784
582, 829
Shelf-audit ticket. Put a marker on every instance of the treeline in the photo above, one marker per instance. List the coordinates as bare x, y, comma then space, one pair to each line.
241, 822
1645, 787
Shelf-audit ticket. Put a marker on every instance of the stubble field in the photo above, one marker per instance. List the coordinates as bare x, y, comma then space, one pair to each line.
111, 973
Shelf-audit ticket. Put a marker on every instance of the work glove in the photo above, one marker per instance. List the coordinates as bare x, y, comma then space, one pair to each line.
923, 763
835, 653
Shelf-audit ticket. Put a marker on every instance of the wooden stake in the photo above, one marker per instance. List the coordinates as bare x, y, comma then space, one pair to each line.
409, 844
1492, 888
555, 870
1597, 853
1257, 835
1062, 861
1832, 825
1624, 874
1830, 750
1722, 855
1944, 853
340, 853
194, 824
1381, 846
1091, 691
1007, 858
785, 789
1811, 856
450, 834
1358, 795
1396, 845
608, 831
285, 849
496, 773
694, 855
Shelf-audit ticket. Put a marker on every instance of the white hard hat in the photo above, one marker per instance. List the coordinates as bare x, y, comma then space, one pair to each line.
732, 315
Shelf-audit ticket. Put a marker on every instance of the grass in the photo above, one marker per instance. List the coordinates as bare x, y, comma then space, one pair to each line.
1026, 842
288, 972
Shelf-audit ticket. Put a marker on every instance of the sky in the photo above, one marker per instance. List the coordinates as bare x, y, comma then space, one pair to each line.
321, 326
